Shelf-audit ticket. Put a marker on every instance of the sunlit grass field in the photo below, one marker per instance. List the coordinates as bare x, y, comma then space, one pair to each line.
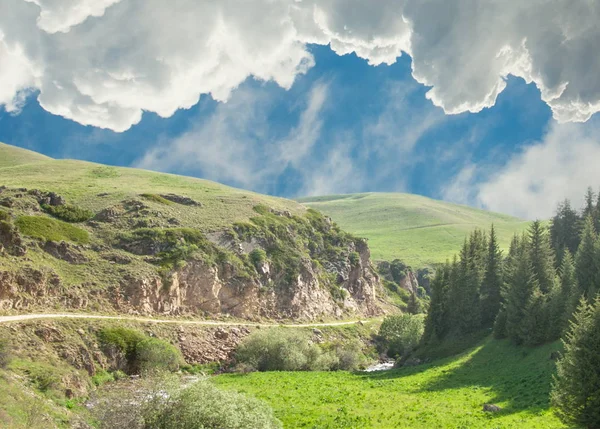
418, 230
448, 393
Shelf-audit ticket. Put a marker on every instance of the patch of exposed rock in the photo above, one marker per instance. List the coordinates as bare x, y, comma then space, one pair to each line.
11, 241
179, 199
65, 251
29, 289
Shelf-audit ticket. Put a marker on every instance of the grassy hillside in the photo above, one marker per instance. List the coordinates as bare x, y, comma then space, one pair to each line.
418, 230
95, 186
11, 156
445, 394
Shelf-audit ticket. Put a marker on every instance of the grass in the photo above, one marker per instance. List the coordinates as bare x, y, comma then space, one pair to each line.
449, 393
11, 156
49, 229
95, 187
417, 230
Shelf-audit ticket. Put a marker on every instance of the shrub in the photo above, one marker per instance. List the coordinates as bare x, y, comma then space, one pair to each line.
68, 213
348, 356
121, 344
576, 387
401, 334
279, 349
258, 257
154, 354
141, 353
4, 216
160, 403
51, 229
205, 406
354, 258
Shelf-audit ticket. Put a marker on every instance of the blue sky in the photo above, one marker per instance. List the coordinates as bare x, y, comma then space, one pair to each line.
339, 115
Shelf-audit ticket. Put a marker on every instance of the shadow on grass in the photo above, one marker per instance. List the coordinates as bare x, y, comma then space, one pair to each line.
517, 378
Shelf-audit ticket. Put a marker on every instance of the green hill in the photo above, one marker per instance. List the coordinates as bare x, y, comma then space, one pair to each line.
96, 186
418, 230
109, 239
11, 156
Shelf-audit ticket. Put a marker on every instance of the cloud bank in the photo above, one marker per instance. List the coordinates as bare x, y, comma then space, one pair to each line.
535, 180
104, 62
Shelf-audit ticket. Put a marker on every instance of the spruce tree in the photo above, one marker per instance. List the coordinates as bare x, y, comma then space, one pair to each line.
576, 388
596, 215
466, 312
589, 208
586, 261
542, 257
519, 288
564, 230
569, 293
535, 320
437, 324
492, 282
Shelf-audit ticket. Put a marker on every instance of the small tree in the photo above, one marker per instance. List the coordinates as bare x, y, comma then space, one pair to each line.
402, 333
576, 387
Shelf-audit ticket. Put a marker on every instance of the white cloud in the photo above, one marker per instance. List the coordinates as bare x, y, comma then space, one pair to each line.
531, 184
236, 145
104, 62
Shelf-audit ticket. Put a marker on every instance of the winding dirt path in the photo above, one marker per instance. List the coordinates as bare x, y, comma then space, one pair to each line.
26, 317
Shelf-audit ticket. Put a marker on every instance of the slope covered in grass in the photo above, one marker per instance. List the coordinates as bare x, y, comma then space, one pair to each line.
11, 156
448, 393
418, 230
95, 186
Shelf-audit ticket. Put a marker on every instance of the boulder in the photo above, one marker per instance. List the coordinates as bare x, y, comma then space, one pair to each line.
491, 408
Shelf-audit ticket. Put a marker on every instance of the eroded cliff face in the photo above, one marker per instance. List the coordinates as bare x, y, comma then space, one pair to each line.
278, 266
199, 288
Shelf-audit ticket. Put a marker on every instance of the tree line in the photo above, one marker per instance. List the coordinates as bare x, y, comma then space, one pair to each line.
528, 295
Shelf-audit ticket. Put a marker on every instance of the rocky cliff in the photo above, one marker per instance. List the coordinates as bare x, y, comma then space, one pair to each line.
134, 256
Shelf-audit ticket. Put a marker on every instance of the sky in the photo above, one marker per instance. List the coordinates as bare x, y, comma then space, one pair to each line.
487, 103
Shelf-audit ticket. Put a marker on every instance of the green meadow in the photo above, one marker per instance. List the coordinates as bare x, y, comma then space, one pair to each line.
448, 393
419, 231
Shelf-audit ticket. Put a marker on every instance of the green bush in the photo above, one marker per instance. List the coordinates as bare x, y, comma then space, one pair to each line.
122, 344
51, 229
154, 354
161, 403
205, 406
280, 349
4, 216
142, 354
401, 334
68, 213
354, 258
257, 258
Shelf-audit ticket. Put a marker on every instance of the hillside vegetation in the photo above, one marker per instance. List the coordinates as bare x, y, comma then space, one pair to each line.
415, 229
449, 393
82, 236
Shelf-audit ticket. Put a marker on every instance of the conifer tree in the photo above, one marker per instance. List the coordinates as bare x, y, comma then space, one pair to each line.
588, 209
597, 213
569, 293
465, 291
586, 261
564, 230
576, 387
437, 323
535, 320
518, 291
492, 282
542, 257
